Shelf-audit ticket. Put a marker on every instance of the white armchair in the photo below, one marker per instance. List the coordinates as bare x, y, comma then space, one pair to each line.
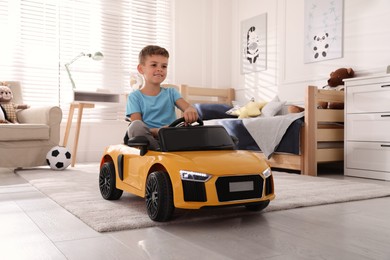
27, 143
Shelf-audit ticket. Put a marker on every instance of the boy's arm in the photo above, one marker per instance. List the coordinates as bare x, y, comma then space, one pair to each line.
137, 116
189, 112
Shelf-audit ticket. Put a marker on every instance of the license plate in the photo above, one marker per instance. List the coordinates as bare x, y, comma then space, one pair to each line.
241, 186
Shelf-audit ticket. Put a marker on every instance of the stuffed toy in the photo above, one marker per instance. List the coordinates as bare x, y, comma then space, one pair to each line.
251, 109
294, 109
335, 82
337, 77
10, 107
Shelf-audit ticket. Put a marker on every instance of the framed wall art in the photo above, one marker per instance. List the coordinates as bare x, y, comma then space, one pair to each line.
254, 44
323, 30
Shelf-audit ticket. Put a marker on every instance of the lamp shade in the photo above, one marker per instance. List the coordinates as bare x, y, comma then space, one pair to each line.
95, 56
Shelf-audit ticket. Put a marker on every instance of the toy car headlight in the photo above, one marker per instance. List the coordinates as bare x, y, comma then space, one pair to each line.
267, 172
194, 176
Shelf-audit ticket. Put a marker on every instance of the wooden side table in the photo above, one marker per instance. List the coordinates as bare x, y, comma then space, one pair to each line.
85, 99
80, 106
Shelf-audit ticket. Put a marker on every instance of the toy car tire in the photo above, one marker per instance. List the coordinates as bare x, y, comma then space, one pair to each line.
159, 196
107, 181
257, 206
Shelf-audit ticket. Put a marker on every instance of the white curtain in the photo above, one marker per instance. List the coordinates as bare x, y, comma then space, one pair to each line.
40, 36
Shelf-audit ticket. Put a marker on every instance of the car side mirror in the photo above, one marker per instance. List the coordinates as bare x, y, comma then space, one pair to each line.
141, 142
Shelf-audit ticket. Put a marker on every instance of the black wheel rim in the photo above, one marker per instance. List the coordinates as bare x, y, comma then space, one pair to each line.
104, 182
152, 196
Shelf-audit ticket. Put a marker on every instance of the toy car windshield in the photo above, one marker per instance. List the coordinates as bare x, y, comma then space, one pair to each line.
195, 139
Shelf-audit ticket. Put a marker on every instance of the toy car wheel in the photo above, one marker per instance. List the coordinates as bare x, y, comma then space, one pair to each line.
107, 182
257, 206
159, 196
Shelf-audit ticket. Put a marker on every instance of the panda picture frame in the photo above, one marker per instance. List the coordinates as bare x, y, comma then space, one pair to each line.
323, 32
254, 44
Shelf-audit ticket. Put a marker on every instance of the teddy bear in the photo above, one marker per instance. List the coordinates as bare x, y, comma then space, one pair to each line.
251, 109
6, 103
335, 82
337, 77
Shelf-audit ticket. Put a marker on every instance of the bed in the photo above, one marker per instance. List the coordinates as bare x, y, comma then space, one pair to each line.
318, 134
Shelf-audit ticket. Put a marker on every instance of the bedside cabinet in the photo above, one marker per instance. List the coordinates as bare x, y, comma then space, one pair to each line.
367, 127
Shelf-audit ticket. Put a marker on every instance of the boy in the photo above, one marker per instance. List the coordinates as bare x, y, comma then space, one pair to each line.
152, 107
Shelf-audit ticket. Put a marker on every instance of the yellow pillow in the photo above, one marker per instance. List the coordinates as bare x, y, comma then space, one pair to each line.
251, 109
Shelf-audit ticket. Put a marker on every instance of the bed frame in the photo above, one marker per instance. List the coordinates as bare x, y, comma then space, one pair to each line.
322, 135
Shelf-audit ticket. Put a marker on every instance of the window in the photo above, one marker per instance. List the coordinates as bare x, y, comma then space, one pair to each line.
43, 35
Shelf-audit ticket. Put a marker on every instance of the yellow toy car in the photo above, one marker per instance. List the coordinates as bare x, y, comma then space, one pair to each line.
195, 167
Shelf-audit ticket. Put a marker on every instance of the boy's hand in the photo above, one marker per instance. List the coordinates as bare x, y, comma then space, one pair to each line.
154, 131
190, 115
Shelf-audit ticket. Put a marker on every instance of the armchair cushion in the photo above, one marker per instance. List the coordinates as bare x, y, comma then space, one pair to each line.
23, 132
34, 124
40, 115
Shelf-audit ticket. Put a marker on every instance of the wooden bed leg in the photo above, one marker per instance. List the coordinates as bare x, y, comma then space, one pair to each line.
303, 152
310, 142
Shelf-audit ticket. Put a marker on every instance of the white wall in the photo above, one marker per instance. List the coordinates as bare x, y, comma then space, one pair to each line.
207, 32
202, 53
207, 46
260, 85
365, 46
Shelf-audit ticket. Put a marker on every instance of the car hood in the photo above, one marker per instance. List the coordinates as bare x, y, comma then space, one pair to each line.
221, 162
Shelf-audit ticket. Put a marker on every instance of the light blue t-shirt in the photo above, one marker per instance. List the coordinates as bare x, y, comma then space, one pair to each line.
156, 111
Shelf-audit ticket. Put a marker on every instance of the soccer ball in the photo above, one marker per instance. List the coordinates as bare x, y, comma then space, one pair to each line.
58, 158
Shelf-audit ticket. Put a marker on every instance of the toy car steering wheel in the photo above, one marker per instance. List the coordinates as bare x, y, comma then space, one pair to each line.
180, 122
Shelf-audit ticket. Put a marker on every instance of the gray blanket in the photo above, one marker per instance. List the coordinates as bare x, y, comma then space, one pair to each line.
268, 131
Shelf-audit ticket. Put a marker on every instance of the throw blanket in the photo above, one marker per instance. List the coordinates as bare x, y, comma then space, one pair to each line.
268, 131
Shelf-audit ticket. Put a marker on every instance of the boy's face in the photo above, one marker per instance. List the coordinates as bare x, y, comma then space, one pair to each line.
154, 69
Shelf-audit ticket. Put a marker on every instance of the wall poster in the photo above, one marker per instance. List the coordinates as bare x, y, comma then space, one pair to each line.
254, 44
323, 30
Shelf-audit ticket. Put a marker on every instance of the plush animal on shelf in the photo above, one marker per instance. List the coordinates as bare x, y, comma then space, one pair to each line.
335, 82
10, 107
251, 109
337, 77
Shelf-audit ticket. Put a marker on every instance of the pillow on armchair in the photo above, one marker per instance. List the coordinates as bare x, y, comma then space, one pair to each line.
3, 115
213, 111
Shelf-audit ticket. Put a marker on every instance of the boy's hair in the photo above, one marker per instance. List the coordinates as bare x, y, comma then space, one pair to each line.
151, 50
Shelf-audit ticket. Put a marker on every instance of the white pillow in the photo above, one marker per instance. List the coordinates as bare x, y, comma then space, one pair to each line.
272, 108
2, 116
233, 111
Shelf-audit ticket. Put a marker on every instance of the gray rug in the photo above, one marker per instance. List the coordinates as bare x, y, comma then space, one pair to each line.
76, 190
